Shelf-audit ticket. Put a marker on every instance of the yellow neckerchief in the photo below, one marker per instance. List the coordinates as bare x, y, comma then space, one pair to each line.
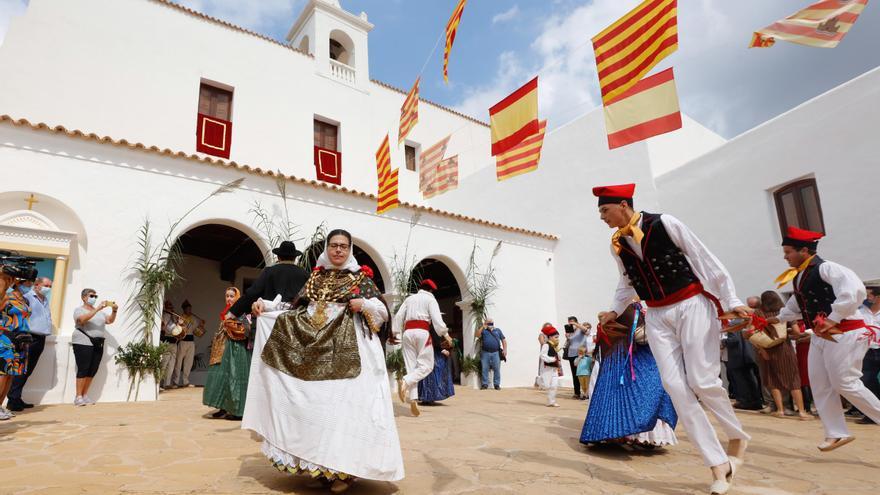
631, 229
789, 275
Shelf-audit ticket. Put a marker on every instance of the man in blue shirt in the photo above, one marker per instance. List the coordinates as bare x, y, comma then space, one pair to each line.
40, 323
493, 350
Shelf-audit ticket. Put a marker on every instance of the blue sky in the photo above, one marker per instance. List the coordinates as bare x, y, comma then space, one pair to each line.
503, 43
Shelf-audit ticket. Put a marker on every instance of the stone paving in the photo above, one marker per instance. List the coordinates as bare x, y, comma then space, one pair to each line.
478, 442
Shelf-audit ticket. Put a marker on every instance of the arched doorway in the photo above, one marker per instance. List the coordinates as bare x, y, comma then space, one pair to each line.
214, 257
314, 251
448, 293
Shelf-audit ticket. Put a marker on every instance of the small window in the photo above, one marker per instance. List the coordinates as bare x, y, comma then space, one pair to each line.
326, 135
410, 152
215, 102
797, 205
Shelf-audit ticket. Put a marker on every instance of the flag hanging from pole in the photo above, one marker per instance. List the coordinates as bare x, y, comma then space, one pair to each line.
409, 112
822, 25
634, 44
387, 197
445, 177
647, 109
451, 28
522, 158
429, 160
514, 118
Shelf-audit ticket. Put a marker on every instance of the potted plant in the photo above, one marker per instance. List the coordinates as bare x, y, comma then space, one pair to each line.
470, 372
396, 368
141, 359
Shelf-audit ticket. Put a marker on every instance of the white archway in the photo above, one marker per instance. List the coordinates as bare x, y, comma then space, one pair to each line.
342, 48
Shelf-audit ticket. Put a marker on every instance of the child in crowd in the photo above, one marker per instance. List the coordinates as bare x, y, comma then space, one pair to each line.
550, 360
584, 364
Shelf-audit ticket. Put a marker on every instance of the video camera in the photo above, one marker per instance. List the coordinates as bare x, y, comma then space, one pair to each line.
18, 266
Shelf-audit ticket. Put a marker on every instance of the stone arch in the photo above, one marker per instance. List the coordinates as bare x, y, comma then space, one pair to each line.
341, 47
367, 255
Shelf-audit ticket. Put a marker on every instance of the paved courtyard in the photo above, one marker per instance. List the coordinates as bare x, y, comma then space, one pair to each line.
479, 442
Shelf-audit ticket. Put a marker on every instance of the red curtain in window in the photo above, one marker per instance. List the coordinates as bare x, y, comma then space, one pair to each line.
213, 135
328, 165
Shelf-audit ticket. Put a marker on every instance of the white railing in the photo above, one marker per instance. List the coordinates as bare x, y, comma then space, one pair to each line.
341, 71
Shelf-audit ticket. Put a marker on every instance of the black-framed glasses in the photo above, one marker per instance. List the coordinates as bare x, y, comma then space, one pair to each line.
343, 247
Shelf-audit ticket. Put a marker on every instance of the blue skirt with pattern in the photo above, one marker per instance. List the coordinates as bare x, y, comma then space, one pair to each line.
621, 406
438, 385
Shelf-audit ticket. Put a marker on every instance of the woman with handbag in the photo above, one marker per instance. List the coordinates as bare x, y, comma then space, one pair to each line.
88, 341
230, 364
776, 357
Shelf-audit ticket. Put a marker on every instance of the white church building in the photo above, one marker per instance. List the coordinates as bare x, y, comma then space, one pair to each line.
117, 111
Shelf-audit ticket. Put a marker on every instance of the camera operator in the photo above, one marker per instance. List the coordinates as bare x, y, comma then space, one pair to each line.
14, 338
88, 341
40, 323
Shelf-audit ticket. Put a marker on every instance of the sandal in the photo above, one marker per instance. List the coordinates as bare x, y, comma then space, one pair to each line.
721, 487
414, 408
827, 446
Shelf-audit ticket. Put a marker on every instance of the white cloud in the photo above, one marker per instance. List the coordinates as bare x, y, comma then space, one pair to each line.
8, 10
507, 15
258, 16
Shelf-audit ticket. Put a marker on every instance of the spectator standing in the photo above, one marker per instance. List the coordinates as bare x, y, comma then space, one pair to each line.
14, 314
493, 348
186, 348
40, 326
575, 337
741, 363
871, 363
170, 322
583, 368
88, 341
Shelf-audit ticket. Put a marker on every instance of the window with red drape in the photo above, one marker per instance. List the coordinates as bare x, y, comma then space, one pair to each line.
328, 158
214, 121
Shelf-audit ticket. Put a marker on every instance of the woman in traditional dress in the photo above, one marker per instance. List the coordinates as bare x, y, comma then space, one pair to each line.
227, 383
319, 396
438, 384
629, 404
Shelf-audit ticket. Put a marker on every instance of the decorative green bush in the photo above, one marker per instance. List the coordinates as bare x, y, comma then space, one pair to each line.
141, 358
394, 363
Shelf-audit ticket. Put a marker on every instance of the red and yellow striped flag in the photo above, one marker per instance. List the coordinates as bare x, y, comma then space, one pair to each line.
445, 177
822, 24
409, 112
634, 44
514, 118
648, 109
522, 158
429, 160
387, 197
451, 28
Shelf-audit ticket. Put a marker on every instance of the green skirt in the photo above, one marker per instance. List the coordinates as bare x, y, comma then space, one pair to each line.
227, 383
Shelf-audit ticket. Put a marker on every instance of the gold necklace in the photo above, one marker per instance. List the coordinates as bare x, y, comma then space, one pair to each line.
329, 286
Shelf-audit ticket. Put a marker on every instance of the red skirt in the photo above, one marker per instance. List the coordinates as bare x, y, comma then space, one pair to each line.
803, 350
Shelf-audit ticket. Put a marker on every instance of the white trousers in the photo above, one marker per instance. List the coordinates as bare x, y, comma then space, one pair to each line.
550, 377
169, 359
186, 352
685, 339
836, 369
418, 356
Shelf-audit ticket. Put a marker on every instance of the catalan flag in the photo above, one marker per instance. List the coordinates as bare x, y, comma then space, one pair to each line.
647, 109
409, 112
822, 25
445, 177
522, 158
634, 44
429, 160
451, 28
387, 198
514, 118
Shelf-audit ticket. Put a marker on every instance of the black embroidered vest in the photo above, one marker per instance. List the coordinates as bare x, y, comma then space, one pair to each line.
663, 268
813, 294
552, 353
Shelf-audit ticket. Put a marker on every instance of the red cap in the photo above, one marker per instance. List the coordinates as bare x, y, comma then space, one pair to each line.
428, 284
614, 194
549, 331
800, 238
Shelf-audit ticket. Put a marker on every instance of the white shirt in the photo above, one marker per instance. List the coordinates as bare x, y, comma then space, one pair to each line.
871, 318
848, 290
712, 274
420, 306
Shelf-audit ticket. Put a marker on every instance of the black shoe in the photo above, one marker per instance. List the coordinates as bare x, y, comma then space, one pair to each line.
26, 405
219, 414
483, 387
15, 406
852, 412
866, 421
497, 387
748, 407
232, 417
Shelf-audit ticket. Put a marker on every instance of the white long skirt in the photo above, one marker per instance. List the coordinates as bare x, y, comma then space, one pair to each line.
661, 435
336, 426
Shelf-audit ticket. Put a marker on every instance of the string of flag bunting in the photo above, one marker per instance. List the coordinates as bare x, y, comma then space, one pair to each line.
636, 105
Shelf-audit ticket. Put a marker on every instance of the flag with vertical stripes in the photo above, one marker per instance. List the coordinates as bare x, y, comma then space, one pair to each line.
634, 44
647, 109
429, 160
451, 28
409, 112
445, 177
514, 118
387, 179
822, 25
522, 158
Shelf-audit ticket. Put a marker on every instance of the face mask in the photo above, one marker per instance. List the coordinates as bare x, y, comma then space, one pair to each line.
45, 291
25, 289
92, 300
9, 290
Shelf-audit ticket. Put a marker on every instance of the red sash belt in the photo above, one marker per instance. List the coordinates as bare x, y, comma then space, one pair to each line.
688, 292
421, 324
849, 325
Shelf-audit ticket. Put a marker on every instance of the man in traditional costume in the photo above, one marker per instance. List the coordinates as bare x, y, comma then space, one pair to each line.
284, 277
186, 347
663, 263
411, 326
319, 396
827, 297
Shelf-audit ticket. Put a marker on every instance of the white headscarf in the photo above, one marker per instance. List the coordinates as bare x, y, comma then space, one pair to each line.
350, 264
